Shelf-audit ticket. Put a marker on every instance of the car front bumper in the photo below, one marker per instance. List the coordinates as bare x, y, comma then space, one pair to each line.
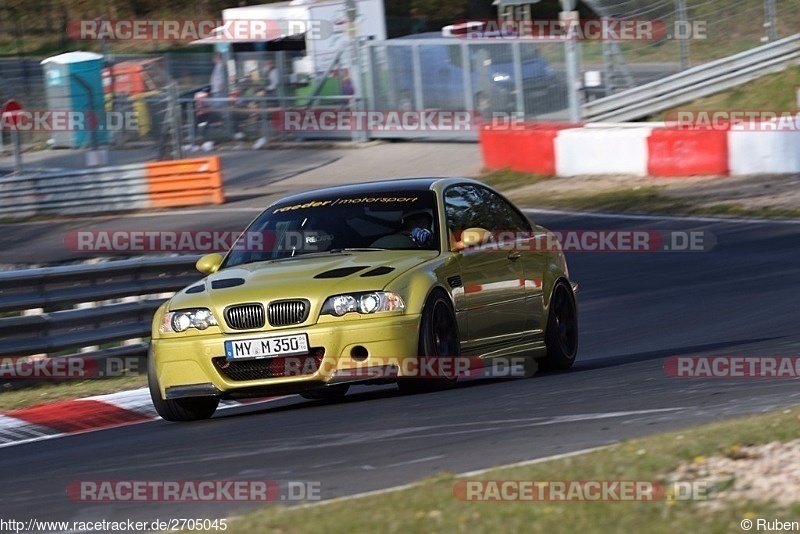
189, 366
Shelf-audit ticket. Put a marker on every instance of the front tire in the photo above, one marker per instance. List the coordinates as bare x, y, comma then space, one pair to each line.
438, 338
189, 409
561, 337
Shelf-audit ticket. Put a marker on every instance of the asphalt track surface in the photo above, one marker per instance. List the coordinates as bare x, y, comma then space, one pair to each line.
636, 310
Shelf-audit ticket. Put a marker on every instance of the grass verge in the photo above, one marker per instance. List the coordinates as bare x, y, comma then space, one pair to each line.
74, 389
636, 199
432, 507
507, 179
646, 200
643, 199
774, 92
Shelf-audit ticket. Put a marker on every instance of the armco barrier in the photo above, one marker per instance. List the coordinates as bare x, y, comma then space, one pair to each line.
64, 322
618, 150
119, 188
764, 152
74, 191
687, 153
641, 149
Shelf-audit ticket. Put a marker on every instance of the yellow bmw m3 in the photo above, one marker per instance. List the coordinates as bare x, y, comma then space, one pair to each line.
410, 281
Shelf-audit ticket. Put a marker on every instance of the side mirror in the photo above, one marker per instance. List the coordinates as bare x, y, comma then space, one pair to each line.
209, 263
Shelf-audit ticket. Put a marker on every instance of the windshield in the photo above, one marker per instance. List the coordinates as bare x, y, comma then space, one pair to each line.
367, 221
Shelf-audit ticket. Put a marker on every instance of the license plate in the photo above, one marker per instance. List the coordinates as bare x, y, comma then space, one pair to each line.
266, 347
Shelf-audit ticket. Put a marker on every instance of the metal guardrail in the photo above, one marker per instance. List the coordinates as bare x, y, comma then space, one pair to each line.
74, 191
694, 83
73, 307
172, 183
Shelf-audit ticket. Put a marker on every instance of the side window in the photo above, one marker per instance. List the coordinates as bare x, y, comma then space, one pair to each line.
464, 208
504, 216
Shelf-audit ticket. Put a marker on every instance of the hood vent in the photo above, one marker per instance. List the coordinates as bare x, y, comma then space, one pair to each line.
227, 282
378, 271
195, 289
341, 272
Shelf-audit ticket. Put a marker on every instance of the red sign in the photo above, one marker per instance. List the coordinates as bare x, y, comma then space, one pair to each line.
11, 107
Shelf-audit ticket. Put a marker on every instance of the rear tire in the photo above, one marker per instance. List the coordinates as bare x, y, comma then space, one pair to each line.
438, 338
188, 409
561, 337
329, 393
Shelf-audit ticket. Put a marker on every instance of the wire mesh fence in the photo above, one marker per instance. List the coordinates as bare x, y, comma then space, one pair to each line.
419, 72
429, 73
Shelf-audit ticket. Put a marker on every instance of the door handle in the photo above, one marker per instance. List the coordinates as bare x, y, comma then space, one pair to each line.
515, 255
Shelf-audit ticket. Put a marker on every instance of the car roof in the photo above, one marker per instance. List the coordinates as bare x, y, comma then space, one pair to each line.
394, 187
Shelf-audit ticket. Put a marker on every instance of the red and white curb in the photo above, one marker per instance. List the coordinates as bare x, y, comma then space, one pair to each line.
63, 418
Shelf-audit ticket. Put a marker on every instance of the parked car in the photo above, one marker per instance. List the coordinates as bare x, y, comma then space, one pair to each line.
352, 277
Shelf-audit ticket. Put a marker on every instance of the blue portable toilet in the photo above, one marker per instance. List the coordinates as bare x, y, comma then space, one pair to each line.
74, 82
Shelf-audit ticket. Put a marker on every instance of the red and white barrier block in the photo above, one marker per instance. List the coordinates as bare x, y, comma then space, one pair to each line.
640, 149
757, 152
611, 150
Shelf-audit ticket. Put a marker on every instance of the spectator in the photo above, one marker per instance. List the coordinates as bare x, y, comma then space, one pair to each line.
218, 79
272, 77
271, 82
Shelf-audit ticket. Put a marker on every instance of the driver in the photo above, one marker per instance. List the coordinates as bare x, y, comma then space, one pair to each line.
417, 224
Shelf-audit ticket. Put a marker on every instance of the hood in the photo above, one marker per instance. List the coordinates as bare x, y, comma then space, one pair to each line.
314, 278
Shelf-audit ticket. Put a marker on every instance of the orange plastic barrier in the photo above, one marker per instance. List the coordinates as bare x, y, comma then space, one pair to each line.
185, 182
688, 153
528, 150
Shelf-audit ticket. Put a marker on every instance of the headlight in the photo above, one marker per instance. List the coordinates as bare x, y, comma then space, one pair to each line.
369, 302
182, 320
